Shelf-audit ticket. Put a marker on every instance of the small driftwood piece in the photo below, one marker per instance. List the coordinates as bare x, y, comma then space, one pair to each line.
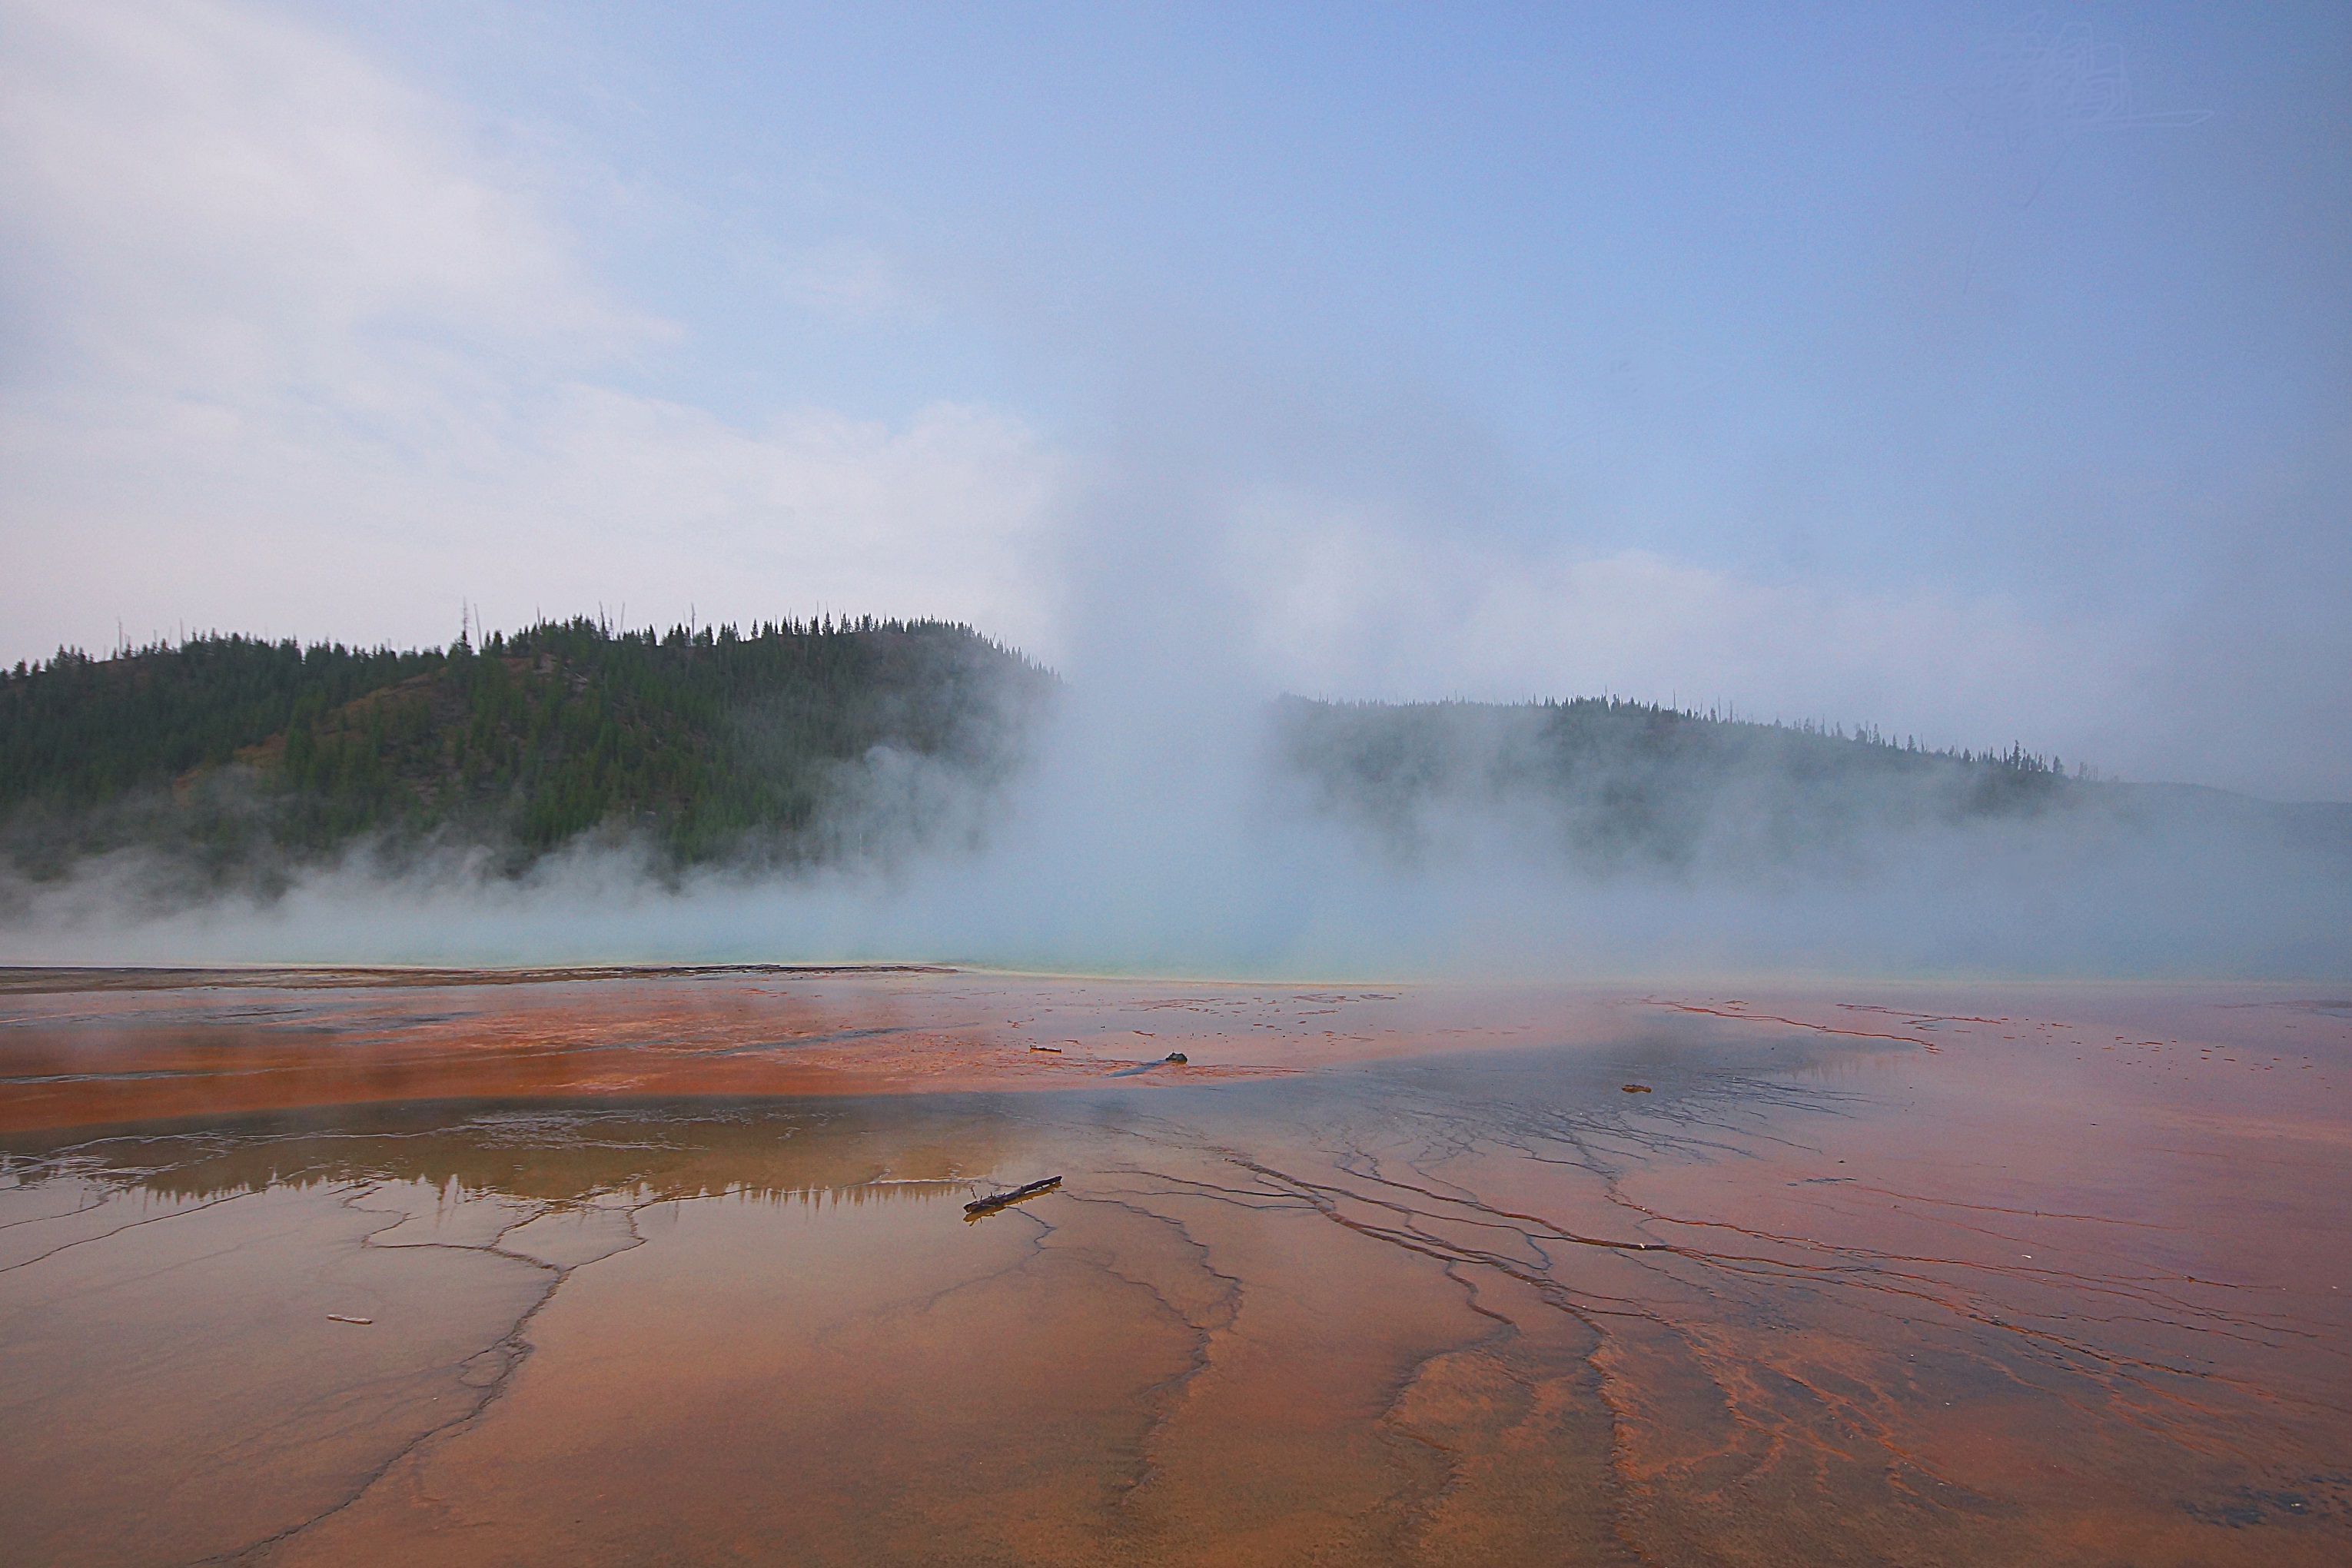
995, 1201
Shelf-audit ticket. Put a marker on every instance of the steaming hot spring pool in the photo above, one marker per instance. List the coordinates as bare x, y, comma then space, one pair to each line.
628, 1267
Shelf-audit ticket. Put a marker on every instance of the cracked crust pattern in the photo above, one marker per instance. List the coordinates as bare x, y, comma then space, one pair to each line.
1931, 1279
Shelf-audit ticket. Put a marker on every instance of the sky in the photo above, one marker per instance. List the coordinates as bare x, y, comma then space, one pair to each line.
1977, 373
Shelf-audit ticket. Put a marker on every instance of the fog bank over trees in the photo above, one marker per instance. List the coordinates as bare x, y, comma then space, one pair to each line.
863, 788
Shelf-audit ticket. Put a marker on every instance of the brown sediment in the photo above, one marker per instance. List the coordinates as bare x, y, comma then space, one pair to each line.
132, 1046
2067, 1289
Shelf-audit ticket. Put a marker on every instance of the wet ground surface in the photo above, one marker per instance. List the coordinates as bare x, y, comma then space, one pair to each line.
349, 1268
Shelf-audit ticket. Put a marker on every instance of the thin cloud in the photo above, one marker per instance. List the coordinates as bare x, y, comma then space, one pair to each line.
307, 364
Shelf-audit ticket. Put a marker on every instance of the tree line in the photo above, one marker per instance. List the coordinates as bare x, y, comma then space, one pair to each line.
693, 739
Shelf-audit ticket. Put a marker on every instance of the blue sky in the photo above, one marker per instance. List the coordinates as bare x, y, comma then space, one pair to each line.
1978, 372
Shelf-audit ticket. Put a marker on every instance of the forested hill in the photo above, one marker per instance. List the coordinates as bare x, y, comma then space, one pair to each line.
699, 741
238, 758
1612, 782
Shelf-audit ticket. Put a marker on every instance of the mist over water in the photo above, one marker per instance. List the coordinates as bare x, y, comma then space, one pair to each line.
1172, 814
1162, 825
1265, 786
1361, 468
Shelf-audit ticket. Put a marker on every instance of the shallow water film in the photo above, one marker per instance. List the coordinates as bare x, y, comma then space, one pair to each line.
350, 1267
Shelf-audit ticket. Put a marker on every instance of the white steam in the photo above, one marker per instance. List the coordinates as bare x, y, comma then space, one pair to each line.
1164, 837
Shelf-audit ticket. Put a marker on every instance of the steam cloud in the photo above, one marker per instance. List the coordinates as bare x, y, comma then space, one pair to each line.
384, 327
1173, 819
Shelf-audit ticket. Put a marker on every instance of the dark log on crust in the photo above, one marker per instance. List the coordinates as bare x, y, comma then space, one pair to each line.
995, 1201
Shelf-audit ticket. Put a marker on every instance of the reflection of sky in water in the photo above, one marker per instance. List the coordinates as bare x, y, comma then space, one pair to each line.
1949, 1285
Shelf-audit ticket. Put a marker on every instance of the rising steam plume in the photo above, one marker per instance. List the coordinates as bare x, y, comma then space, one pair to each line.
1170, 825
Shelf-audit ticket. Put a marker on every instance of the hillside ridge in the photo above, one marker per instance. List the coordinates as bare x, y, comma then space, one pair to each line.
698, 739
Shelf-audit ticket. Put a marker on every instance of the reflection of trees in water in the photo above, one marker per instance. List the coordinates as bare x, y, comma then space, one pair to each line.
835, 1151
